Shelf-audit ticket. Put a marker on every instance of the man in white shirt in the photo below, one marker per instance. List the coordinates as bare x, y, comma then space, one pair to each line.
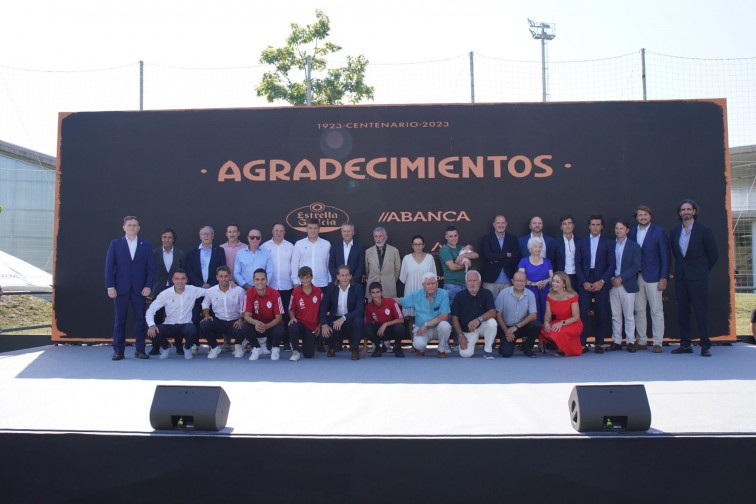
314, 252
280, 251
227, 303
178, 303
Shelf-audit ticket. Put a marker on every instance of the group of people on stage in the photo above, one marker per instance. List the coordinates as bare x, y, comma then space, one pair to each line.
309, 295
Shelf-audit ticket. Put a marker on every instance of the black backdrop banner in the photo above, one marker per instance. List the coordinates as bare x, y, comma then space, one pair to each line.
411, 169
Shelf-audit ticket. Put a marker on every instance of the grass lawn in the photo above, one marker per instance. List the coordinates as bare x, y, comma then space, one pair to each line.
23, 311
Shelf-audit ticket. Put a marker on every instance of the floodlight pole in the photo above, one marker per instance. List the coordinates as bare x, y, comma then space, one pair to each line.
539, 32
543, 66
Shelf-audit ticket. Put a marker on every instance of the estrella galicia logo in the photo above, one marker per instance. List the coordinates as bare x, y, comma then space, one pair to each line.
330, 217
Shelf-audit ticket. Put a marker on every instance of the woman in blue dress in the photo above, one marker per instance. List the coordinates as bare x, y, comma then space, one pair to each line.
538, 271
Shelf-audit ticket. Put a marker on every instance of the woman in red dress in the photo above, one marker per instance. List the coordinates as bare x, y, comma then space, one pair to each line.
562, 306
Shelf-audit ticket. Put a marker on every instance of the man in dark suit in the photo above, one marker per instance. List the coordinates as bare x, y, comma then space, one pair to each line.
355, 254
499, 253
129, 273
167, 259
594, 264
652, 281
565, 250
337, 321
201, 264
695, 251
627, 255
536, 231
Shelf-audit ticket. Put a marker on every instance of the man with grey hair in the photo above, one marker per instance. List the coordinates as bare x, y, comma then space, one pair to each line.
431, 306
473, 316
347, 251
516, 313
383, 263
201, 265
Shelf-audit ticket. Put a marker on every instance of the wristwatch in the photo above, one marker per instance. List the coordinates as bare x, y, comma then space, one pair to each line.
517, 326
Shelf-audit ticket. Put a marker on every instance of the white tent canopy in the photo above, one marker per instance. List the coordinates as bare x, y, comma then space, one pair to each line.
16, 274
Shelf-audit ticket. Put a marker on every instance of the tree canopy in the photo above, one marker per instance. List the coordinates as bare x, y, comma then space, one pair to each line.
329, 86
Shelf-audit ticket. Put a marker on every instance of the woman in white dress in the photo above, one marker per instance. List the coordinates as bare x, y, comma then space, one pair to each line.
414, 266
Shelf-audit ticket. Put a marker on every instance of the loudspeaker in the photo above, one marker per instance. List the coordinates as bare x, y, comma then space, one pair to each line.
609, 408
189, 408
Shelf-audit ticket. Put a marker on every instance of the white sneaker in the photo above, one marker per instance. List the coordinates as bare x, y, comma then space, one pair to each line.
255, 354
188, 354
294, 356
195, 350
164, 352
275, 354
264, 350
238, 351
215, 352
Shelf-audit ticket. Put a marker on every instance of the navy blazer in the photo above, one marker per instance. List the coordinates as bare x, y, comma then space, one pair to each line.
701, 256
605, 261
194, 266
551, 247
356, 259
560, 254
161, 275
630, 266
493, 257
125, 274
330, 303
655, 258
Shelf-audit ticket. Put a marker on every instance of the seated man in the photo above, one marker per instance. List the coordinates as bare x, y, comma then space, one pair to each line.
384, 321
263, 313
431, 307
473, 316
227, 303
178, 303
517, 315
304, 312
341, 312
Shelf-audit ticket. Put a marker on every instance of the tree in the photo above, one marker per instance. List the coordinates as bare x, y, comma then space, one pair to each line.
331, 88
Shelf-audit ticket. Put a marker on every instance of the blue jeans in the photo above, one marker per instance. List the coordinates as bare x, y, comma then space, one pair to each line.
453, 290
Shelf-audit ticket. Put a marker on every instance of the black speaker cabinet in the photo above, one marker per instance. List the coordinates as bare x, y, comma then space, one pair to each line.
596, 408
189, 408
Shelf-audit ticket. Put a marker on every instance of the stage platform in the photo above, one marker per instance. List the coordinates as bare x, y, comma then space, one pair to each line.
375, 416
79, 389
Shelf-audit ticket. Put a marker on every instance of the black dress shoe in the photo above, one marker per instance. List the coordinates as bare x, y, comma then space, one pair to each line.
631, 348
155, 350
613, 347
530, 353
378, 351
398, 352
117, 356
705, 352
179, 349
586, 349
141, 355
598, 349
682, 350
321, 348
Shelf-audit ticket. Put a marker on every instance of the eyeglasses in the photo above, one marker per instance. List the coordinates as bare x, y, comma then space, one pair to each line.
254, 237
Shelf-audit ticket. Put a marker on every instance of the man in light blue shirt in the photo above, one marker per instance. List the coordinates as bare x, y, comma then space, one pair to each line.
432, 310
250, 259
